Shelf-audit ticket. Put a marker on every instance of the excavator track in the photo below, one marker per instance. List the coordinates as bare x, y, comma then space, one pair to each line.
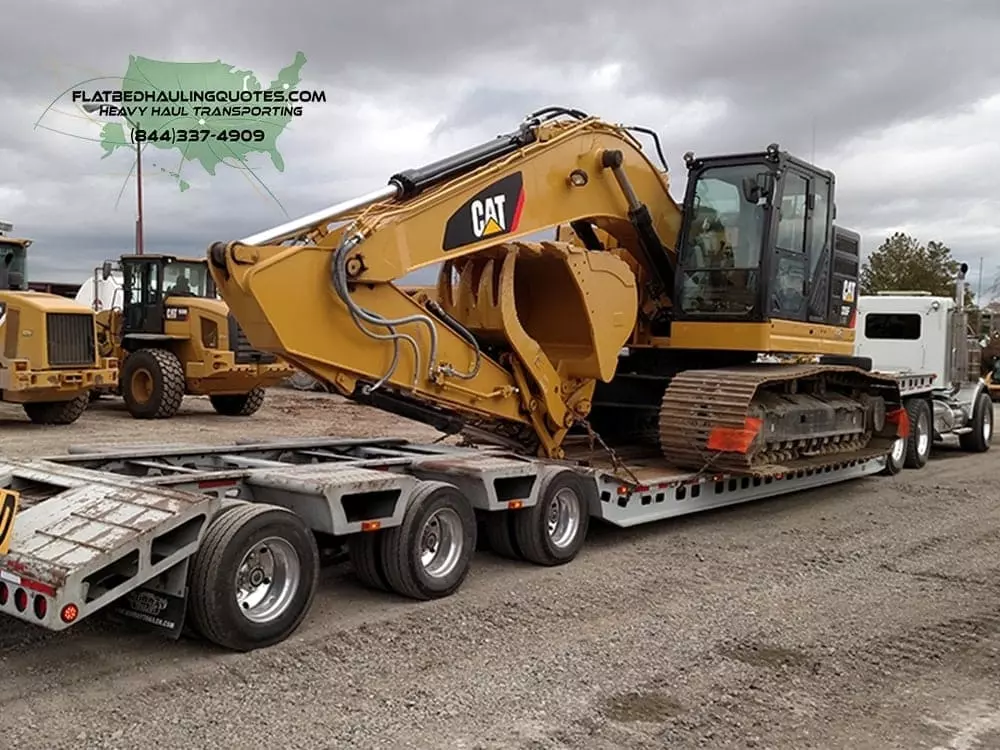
769, 419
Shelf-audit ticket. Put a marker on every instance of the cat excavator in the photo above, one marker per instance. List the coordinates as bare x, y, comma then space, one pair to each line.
640, 322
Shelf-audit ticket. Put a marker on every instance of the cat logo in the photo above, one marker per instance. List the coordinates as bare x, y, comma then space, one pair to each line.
488, 216
848, 292
492, 212
9, 503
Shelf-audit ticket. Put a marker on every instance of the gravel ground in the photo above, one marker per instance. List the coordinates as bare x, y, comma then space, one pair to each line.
865, 615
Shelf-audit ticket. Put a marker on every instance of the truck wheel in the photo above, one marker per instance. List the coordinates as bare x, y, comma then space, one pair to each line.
365, 550
978, 441
918, 444
429, 555
553, 531
238, 404
253, 578
894, 460
57, 412
152, 383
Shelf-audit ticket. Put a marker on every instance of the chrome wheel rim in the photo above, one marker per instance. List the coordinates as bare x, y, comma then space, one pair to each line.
267, 579
898, 448
441, 542
563, 518
923, 436
988, 423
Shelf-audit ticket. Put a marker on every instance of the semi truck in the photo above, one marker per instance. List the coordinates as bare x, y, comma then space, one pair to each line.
924, 342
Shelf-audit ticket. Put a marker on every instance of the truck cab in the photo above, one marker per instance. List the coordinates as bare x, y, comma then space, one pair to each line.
924, 341
908, 332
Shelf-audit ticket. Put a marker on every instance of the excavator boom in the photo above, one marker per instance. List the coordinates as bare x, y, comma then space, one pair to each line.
518, 332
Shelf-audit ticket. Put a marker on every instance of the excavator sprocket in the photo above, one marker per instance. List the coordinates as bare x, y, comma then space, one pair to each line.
768, 419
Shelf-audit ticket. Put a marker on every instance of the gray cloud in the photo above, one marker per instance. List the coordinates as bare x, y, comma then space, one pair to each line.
408, 82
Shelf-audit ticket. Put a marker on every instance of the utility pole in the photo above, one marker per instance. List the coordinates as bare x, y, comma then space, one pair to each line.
979, 289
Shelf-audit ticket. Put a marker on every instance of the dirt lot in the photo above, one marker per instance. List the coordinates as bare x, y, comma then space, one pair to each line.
860, 616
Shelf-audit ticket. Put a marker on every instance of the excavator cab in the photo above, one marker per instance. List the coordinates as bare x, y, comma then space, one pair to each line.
13, 259
757, 245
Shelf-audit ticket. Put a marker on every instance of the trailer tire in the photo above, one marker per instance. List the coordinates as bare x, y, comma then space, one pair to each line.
365, 551
562, 501
895, 458
57, 412
918, 444
499, 527
402, 546
232, 537
166, 386
978, 441
238, 404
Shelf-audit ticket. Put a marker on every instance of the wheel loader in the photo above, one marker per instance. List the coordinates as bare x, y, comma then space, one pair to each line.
647, 340
50, 361
174, 337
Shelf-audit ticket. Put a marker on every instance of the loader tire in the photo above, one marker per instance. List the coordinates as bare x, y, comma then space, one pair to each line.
152, 383
238, 404
57, 412
978, 441
282, 578
918, 444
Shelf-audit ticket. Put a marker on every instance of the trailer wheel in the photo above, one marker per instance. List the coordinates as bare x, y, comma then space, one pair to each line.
978, 441
254, 577
365, 550
918, 444
238, 404
499, 526
428, 555
152, 383
553, 531
57, 412
896, 457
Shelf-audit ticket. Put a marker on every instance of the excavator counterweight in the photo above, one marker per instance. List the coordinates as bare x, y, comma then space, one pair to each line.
640, 320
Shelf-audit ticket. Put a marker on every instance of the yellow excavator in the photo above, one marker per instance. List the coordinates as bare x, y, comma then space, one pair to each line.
642, 321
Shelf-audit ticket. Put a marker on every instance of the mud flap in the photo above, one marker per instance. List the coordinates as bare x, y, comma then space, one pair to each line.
160, 606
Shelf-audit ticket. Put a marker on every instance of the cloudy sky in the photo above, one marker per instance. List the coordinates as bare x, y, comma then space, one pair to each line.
901, 98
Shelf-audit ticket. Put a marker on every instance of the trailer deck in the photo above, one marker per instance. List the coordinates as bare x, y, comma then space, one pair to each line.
133, 527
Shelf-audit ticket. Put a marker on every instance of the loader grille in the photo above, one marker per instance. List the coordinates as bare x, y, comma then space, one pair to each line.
244, 353
71, 340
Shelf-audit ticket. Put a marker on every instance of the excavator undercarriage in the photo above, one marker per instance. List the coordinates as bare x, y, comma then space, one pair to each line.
641, 326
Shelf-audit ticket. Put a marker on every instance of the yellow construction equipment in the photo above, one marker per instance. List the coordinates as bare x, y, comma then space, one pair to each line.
173, 337
652, 337
50, 361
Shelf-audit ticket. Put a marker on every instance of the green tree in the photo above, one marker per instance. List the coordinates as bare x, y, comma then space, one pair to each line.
902, 263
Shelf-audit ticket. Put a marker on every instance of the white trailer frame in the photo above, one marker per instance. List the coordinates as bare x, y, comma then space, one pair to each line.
150, 534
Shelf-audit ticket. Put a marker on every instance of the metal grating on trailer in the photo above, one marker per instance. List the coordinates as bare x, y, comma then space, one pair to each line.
98, 534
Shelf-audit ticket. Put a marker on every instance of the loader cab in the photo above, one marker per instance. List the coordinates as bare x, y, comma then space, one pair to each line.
757, 244
13, 264
148, 281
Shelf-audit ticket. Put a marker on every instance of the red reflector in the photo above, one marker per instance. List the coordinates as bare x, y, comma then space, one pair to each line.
21, 600
41, 605
41, 588
733, 440
901, 419
854, 318
4, 593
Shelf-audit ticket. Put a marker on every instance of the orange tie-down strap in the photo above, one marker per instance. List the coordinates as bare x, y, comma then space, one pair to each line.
901, 419
734, 439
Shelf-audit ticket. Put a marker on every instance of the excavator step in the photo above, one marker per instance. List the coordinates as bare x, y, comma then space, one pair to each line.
769, 419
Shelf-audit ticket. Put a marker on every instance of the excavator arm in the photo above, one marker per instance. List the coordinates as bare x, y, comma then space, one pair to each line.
517, 333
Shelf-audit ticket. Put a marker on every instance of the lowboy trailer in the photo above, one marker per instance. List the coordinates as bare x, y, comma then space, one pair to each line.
226, 541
